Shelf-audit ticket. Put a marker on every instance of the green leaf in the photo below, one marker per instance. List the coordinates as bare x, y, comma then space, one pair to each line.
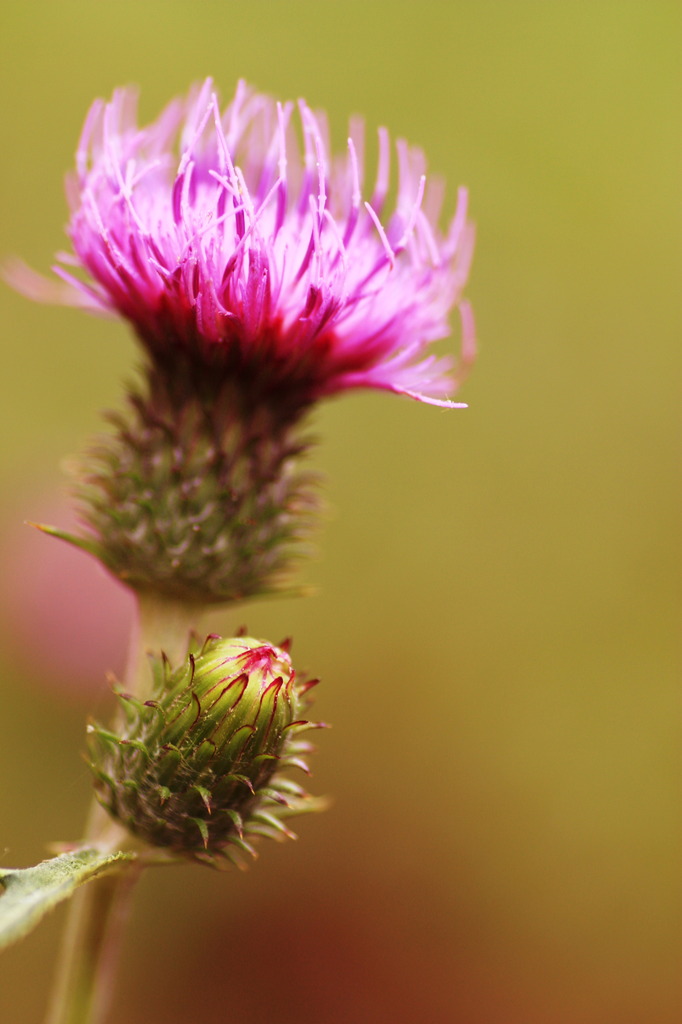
30, 893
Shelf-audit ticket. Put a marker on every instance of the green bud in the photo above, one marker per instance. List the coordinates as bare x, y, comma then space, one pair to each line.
199, 768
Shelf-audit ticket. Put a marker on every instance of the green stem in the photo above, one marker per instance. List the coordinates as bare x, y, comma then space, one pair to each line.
89, 954
90, 950
163, 625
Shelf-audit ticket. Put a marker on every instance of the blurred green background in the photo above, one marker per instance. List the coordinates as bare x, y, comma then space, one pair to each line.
497, 588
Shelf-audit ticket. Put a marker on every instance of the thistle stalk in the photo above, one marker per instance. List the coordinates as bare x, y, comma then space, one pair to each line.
89, 956
194, 767
84, 979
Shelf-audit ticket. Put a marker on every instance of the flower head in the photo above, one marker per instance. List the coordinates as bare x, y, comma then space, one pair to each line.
233, 238
199, 769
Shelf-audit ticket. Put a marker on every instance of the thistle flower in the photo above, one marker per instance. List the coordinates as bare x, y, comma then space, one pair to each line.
258, 280
222, 239
199, 769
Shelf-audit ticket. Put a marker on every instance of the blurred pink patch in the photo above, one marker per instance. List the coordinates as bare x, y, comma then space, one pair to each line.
63, 620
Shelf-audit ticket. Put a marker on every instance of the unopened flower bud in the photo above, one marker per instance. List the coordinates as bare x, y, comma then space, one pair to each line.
199, 768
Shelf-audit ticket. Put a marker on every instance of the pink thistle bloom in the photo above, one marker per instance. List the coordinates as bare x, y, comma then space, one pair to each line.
233, 237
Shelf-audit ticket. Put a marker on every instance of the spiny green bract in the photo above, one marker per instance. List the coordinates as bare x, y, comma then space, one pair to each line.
198, 493
199, 768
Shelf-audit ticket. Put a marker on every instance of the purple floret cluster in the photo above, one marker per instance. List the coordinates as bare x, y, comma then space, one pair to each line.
235, 230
